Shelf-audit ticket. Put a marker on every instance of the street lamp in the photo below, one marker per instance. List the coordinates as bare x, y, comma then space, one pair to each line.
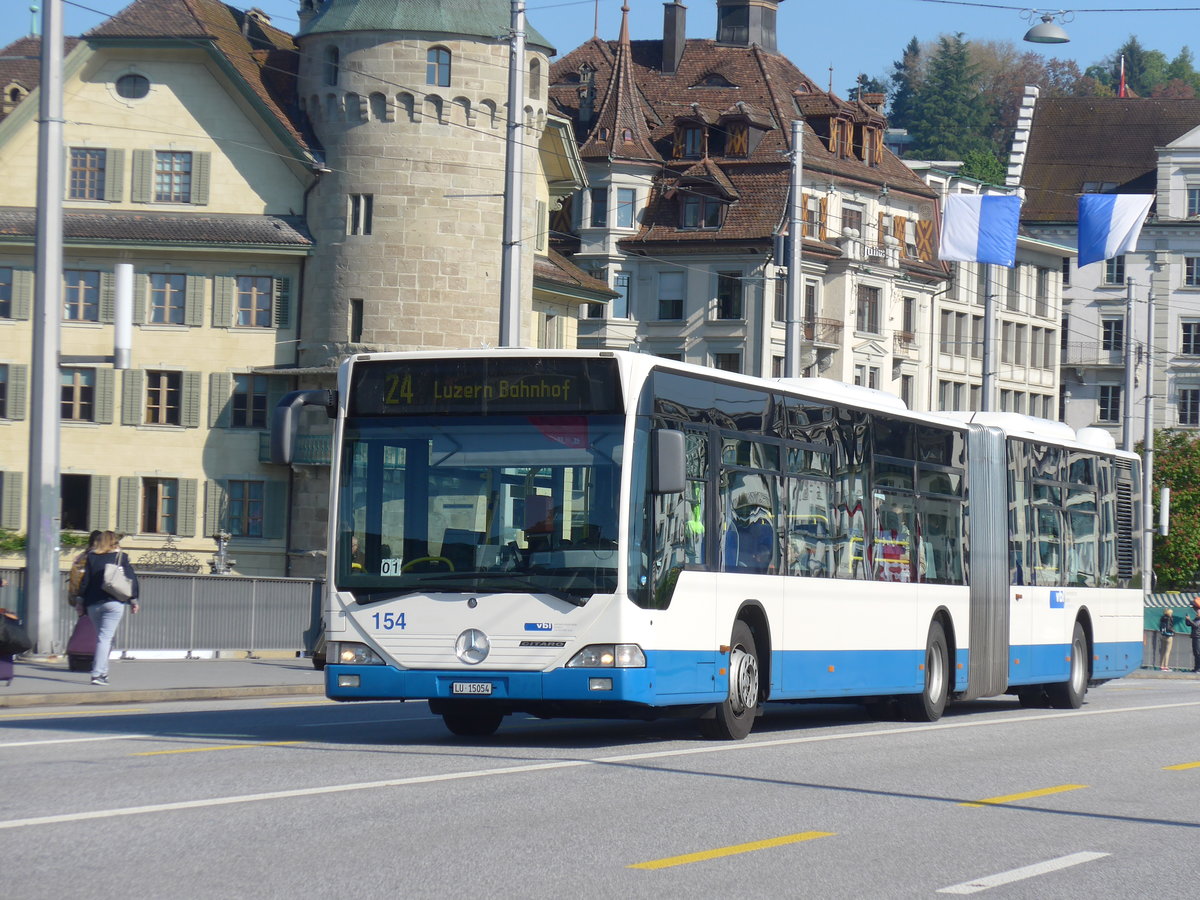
1047, 32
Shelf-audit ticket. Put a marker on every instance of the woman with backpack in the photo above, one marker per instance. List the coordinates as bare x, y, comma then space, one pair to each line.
109, 583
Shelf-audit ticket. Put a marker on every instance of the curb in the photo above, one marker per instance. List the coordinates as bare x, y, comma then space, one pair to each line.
157, 696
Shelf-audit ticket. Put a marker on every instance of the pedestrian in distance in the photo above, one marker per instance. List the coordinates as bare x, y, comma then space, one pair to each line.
1193, 622
1166, 634
105, 610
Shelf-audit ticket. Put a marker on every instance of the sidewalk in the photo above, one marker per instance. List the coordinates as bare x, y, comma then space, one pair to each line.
47, 682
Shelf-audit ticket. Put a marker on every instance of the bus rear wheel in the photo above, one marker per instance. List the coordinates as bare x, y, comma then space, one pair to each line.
734, 717
472, 720
1069, 694
929, 705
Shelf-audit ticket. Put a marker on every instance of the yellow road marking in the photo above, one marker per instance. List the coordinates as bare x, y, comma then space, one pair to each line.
223, 747
730, 851
1181, 766
1009, 798
90, 712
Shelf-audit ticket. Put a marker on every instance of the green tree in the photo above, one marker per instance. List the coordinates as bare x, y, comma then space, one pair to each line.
951, 115
983, 166
906, 79
866, 85
1177, 466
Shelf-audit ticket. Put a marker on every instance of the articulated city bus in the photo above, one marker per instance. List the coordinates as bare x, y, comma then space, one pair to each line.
596, 533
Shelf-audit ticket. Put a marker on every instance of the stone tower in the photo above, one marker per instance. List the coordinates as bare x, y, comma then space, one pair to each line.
409, 102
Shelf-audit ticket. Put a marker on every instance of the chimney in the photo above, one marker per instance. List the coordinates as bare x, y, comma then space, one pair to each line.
873, 100
674, 36
308, 11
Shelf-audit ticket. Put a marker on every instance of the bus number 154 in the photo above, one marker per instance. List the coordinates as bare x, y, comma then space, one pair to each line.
389, 621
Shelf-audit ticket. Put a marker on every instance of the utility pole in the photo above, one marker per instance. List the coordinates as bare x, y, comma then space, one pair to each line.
1127, 429
986, 403
42, 527
514, 192
795, 278
1148, 458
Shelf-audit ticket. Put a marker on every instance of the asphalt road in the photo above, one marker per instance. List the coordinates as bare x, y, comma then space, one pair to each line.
305, 797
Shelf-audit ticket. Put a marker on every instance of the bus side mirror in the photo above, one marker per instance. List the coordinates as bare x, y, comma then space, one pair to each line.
667, 467
285, 418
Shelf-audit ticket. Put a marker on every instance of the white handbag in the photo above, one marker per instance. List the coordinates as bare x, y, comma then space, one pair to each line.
117, 584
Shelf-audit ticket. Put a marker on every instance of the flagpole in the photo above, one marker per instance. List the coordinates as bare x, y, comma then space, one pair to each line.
989, 316
1127, 431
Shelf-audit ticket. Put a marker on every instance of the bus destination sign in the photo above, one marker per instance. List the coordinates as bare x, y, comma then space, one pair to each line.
484, 386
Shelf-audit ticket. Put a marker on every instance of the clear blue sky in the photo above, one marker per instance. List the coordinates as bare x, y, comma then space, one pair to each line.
851, 36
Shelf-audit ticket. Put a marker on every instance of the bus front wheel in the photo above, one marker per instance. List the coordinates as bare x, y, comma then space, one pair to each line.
734, 717
1069, 694
929, 705
472, 720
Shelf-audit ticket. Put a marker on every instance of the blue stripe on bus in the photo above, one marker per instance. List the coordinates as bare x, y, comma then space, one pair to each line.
679, 677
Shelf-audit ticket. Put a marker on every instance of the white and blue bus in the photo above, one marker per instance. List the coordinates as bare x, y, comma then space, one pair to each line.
596, 533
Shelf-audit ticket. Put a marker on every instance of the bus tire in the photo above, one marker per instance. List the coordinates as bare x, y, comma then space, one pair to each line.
930, 703
734, 717
1069, 694
473, 720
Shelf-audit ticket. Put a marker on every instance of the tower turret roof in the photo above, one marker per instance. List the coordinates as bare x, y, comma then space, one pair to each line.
476, 18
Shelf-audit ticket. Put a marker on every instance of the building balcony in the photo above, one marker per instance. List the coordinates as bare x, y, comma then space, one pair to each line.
904, 345
310, 449
1091, 354
824, 332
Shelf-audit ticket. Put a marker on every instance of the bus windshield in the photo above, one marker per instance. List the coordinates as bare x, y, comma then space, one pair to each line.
489, 504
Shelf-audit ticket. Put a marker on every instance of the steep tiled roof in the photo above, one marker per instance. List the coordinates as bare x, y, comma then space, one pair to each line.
1075, 140
557, 269
20, 63
263, 56
711, 81
620, 130
164, 227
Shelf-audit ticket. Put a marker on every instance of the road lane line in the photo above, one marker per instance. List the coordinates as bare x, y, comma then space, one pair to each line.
742, 747
734, 850
221, 747
1042, 868
91, 713
1026, 795
82, 740
1181, 766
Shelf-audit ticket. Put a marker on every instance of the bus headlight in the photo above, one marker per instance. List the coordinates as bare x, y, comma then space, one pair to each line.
357, 655
609, 656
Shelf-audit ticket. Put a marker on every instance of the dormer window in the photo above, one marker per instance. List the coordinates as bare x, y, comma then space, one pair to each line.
700, 211
627, 136
715, 80
737, 141
872, 146
689, 142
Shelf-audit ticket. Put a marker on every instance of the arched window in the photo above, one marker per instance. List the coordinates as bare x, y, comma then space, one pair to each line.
332, 64
437, 67
535, 78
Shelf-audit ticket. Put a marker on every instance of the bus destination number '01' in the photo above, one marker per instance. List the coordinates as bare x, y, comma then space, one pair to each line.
389, 621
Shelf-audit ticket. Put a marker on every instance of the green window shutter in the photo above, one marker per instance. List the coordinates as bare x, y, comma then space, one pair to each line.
220, 390
283, 302
223, 301
22, 294
215, 504
190, 414
143, 176
105, 394
275, 510
98, 503
108, 297
114, 175
128, 494
133, 392
141, 294
18, 377
10, 500
201, 163
185, 524
193, 312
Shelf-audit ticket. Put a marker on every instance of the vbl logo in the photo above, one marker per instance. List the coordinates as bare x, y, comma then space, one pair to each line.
538, 626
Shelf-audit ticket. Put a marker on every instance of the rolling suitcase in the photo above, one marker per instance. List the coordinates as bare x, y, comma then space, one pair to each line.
81, 648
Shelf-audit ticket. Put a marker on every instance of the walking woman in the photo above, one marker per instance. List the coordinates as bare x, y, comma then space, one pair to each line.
1193, 622
102, 608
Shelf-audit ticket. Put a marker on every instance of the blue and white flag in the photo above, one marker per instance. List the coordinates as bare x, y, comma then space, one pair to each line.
980, 229
1109, 224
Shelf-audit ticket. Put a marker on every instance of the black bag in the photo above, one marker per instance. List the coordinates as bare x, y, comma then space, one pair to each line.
14, 638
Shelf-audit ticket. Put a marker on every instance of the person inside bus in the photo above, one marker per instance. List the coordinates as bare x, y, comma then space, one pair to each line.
542, 529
